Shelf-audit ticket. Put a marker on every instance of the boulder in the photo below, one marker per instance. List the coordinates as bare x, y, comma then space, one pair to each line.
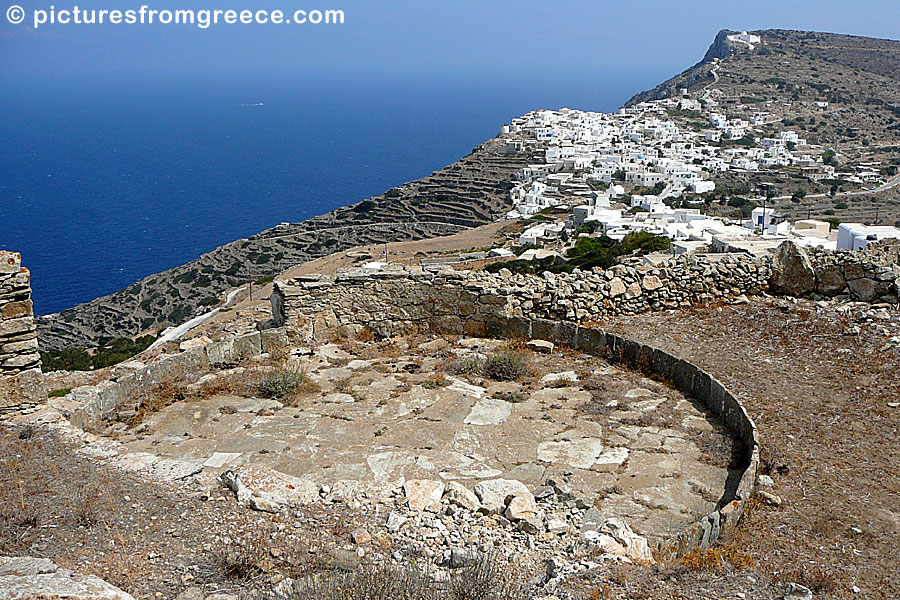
795, 591
792, 271
866, 289
461, 496
493, 493
523, 511
831, 281
395, 522
617, 540
197, 342
540, 346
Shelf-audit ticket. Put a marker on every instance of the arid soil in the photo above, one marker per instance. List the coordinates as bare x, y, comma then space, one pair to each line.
823, 389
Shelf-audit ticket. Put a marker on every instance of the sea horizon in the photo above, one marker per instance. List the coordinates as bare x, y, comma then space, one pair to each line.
127, 181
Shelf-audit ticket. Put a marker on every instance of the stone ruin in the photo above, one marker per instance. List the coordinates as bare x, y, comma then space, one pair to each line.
21, 382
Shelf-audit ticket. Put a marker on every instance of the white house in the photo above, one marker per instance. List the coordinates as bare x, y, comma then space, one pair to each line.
717, 120
856, 236
702, 186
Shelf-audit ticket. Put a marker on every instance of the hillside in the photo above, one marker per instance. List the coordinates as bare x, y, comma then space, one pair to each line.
857, 76
465, 194
791, 72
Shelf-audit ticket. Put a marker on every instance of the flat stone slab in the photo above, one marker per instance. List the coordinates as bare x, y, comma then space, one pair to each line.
616, 440
26, 577
220, 459
489, 411
581, 454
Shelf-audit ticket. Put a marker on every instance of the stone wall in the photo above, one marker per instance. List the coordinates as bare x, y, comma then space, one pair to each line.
396, 303
131, 381
21, 382
404, 301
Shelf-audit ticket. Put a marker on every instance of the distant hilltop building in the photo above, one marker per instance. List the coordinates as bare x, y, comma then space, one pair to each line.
745, 38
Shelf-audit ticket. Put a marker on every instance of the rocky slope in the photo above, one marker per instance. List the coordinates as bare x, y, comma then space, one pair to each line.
858, 76
467, 193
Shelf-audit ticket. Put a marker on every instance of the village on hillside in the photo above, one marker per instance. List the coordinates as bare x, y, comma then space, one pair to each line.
641, 170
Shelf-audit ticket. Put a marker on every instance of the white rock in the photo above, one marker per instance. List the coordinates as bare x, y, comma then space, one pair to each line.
489, 411
494, 492
464, 388
616, 539
581, 453
459, 495
564, 376
197, 342
557, 525
339, 398
540, 346
795, 591
395, 521
26, 577
423, 494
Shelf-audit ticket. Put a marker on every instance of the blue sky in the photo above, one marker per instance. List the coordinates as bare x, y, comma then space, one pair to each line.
439, 39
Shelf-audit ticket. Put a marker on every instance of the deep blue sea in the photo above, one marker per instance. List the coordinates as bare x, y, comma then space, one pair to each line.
103, 185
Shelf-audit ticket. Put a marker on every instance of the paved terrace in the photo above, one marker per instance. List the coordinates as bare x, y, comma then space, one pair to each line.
394, 411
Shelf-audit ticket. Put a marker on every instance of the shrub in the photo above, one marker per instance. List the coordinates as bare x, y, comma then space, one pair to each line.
716, 559
365, 583
506, 366
364, 206
107, 354
438, 381
468, 365
485, 579
59, 393
282, 383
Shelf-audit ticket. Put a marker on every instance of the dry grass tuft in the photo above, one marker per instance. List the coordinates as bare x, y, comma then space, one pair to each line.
246, 555
507, 365
285, 384
717, 559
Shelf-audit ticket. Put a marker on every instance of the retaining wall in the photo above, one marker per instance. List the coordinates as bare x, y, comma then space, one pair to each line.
406, 300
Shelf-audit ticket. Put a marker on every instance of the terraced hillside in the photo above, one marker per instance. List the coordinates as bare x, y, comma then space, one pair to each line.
465, 194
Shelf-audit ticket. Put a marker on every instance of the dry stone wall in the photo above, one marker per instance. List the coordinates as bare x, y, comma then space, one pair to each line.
131, 381
21, 382
400, 301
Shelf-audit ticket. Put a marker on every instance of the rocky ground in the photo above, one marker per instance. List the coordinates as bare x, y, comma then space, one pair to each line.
819, 378
393, 452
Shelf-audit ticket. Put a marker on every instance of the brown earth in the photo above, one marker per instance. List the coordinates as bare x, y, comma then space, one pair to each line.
819, 394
